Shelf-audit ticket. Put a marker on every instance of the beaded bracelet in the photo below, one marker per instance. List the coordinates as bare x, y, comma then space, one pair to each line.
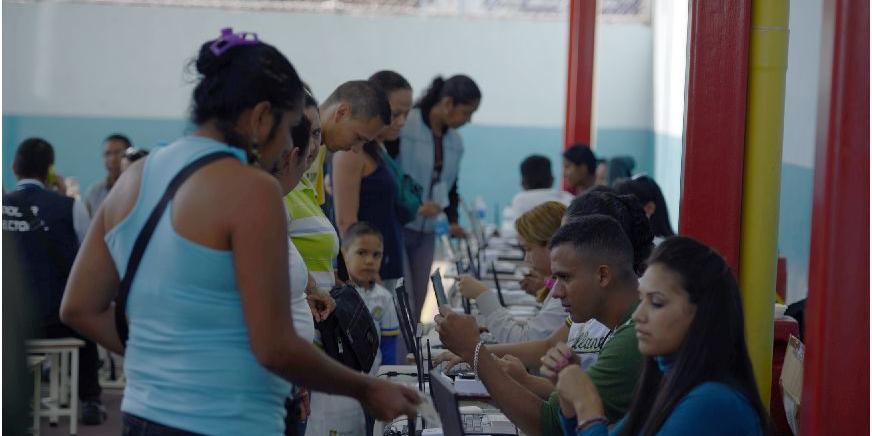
475, 358
584, 425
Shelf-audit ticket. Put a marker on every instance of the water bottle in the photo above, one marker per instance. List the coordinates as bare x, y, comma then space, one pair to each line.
441, 225
480, 209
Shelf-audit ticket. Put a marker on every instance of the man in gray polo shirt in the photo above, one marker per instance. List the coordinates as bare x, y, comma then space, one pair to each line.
113, 150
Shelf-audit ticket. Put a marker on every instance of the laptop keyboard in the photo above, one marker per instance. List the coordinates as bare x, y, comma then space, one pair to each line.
475, 423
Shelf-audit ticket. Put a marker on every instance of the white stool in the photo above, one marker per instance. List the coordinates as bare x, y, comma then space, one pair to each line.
63, 354
34, 365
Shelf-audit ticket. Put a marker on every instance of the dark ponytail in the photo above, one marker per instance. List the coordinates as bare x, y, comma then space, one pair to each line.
646, 189
460, 88
236, 80
623, 208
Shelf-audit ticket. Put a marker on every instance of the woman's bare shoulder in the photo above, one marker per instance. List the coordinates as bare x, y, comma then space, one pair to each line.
122, 197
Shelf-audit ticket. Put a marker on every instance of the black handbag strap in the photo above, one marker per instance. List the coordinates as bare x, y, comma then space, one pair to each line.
145, 234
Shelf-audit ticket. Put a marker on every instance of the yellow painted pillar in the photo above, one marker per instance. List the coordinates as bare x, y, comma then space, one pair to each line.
767, 68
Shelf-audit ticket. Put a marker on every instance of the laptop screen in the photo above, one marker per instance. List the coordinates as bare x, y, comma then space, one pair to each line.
438, 289
474, 267
497, 284
401, 304
445, 401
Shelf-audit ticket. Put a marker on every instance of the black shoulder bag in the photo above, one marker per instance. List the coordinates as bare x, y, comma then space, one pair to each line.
349, 334
145, 234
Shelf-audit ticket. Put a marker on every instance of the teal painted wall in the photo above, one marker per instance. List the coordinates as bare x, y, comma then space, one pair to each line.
490, 166
78, 141
493, 155
794, 226
668, 153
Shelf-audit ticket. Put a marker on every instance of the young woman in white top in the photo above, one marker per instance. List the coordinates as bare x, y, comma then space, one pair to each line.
306, 299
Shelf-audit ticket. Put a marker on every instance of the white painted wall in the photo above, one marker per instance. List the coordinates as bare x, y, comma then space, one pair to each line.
670, 65
127, 61
670, 23
803, 72
800, 124
623, 95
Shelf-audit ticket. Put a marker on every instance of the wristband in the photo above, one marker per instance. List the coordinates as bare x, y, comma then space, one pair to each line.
475, 358
586, 424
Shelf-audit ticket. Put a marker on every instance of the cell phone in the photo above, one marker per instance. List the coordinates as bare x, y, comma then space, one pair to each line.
436, 278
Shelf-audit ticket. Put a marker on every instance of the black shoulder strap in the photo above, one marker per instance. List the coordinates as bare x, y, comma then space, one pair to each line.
145, 234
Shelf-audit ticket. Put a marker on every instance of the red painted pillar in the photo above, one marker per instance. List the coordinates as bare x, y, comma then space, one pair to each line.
835, 396
579, 83
714, 138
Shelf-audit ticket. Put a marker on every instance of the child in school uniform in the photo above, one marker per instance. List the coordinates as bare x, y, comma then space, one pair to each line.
362, 252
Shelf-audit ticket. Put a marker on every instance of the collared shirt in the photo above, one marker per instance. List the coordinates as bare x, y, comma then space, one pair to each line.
315, 175
81, 219
312, 233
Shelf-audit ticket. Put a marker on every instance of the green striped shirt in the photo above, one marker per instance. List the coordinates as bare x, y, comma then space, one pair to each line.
312, 233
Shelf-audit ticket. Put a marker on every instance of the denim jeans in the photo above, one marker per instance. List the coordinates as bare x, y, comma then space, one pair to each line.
136, 426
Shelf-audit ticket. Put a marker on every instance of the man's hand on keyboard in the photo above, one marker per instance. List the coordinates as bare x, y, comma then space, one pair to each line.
513, 367
448, 358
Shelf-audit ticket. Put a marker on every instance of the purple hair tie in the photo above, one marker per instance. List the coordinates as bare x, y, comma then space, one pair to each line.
229, 40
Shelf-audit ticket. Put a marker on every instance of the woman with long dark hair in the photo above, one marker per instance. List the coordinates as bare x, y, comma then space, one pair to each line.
697, 377
212, 345
651, 197
430, 151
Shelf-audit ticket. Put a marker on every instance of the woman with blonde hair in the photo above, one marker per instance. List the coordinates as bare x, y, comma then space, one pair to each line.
535, 228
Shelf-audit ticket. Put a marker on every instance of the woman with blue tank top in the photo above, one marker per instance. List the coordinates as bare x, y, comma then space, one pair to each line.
364, 187
697, 377
212, 346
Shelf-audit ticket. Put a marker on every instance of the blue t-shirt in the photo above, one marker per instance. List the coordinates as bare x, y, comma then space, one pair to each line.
188, 361
712, 409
